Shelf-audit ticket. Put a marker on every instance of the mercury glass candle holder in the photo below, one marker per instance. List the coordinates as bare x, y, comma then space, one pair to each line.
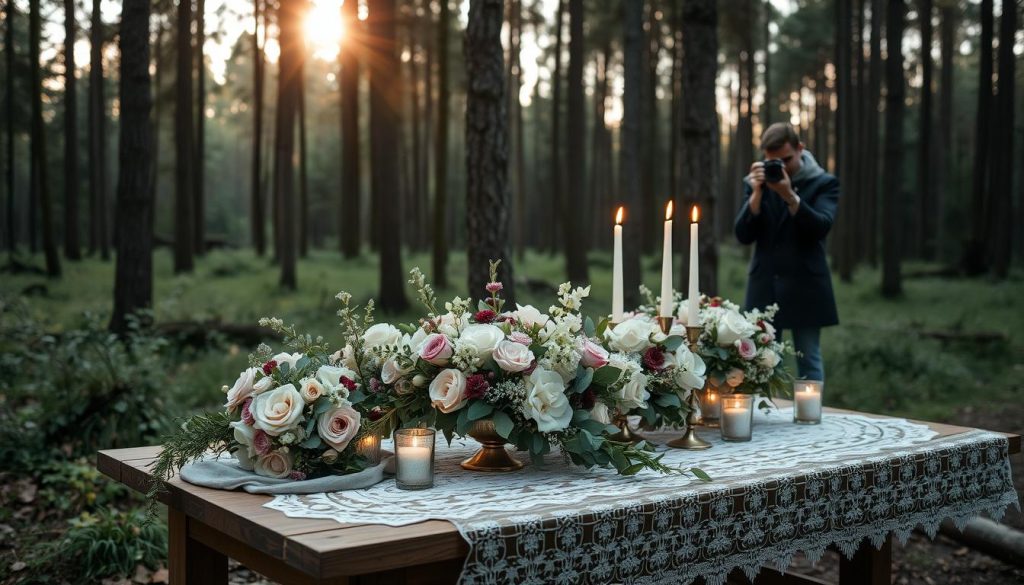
710, 406
807, 397
737, 420
414, 458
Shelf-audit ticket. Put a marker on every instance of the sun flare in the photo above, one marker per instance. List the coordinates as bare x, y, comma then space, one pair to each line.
323, 29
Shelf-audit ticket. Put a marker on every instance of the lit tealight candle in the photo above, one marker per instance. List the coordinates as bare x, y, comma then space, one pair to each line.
807, 402
414, 458
737, 418
711, 406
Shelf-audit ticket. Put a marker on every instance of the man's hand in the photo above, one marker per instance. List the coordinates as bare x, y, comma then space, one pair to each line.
785, 190
756, 180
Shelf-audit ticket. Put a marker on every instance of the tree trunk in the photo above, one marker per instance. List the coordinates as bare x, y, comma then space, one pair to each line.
870, 156
184, 132
699, 139
893, 177
557, 191
41, 176
675, 105
944, 155
844, 131
304, 227
72, 250
198, 170
133, 278
385, 121
440, 247
349, 220
12, 241
487, 196
256, 197
766, 108
925, 184
653, 210
288, 94
975, 258
158, 85
1002, 147
575, 203
99, 238
630, 183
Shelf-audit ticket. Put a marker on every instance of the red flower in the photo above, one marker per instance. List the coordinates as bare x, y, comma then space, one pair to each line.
296, 476
654, 358
715, 302
588, 398
760, 323
476, 386
348, 383
269, 367
375, 413
485, 316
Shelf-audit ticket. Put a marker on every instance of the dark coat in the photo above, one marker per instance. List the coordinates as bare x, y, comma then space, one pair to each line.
789, 266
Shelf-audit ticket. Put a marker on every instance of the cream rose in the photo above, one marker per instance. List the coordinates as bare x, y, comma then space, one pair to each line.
278, 411
450, 326
338, 426
689, 369
265, 383
633, 393
483, 338
276, 464
512, 357
600, 413
529, 316
734, 377
287, 358
311, 389
546, 402
330, 377
448, 389
242, 389
767, 358
732, 326
631, 336
391, 372
381, 334
244, 436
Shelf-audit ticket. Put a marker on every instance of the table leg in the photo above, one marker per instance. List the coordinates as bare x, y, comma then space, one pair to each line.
189, 561
869, 566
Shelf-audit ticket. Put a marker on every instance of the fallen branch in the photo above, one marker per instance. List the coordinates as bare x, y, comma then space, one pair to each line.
990, 537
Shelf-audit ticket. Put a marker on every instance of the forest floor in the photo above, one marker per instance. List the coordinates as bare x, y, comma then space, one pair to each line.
949, 350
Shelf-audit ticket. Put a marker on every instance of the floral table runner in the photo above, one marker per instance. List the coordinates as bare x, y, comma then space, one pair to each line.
792, 489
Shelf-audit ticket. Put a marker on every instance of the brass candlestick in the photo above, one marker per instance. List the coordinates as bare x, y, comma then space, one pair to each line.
625, 434
666, 324
690, 440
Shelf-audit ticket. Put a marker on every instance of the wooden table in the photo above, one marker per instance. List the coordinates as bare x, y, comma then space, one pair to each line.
206, 526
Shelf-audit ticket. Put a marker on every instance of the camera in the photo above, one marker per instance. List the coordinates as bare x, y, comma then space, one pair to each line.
773, 170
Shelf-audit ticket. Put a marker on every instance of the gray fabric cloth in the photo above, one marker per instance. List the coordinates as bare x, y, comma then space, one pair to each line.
225, 474
809, 168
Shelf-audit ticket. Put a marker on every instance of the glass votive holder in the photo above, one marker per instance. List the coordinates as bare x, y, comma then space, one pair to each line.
710, 406
737, 417
807, 396
414, 458
369, 447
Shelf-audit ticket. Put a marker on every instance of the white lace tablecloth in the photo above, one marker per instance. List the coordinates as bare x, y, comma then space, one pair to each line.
794, 488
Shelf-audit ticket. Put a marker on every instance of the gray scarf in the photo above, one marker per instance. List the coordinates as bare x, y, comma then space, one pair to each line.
809, 168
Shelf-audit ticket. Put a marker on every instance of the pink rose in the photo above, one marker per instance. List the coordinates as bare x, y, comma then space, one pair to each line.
436, 349
247, 417
261, 442
447, 390
746, 348
337, 427
242, 389
593, 355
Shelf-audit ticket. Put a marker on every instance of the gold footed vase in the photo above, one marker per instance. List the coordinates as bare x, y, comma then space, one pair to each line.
492, 455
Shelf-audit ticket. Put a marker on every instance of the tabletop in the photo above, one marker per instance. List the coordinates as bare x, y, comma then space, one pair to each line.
207, 524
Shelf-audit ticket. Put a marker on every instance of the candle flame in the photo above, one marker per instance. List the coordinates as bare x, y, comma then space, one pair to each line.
668, 210
695, 214
619, 215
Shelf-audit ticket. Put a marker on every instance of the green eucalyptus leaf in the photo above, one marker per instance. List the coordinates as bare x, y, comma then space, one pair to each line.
583, 380
589, 328
479, 409
673, 342
503, 424
606, 376
700, 474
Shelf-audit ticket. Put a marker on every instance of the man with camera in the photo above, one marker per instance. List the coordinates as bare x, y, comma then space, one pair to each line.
789, 209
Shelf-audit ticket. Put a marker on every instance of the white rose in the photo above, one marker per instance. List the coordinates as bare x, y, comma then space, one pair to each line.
768, 359
600, 413
242, 389
634, 393
338, 426
416, 339
276, 464
391, 372
419, 380
529, 316
546, 402
450, 326
483, 338
287, 358
311, 389
381, 334
278, 410
689, 369
330, 377
631, 336
265, 383
732, 326
447, 390
512, 356
244, 435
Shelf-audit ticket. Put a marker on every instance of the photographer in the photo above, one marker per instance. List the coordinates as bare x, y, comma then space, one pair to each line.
789, 209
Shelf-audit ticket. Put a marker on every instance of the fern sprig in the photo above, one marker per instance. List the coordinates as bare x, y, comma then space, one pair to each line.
194, 438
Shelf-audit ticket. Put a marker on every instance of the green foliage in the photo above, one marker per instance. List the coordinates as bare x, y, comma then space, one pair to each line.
189, 443
73, 487
110, 544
